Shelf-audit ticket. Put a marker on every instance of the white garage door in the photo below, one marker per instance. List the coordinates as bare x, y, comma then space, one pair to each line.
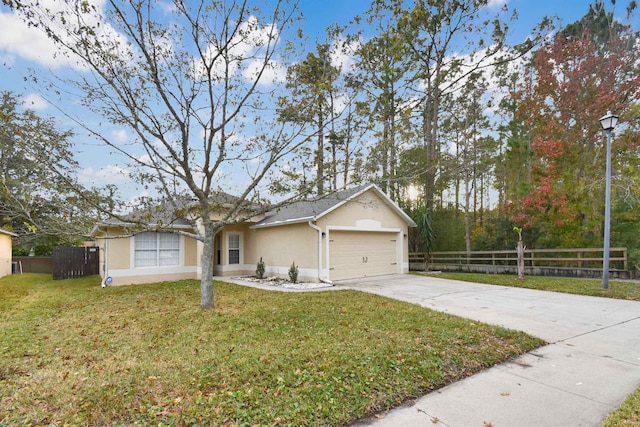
362, 253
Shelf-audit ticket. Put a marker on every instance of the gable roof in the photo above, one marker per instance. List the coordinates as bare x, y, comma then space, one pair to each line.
312, 210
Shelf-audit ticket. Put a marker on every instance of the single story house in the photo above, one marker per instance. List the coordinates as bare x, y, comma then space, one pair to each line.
6, 246
352, 233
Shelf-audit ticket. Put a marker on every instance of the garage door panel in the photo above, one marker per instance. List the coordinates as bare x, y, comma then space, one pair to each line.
359, 254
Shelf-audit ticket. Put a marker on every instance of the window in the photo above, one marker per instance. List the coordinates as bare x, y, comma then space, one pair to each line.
234, 249
218, 244
157, 249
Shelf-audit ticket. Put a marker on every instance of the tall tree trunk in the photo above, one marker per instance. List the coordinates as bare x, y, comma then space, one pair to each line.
334, 141
457, 178
482, 200
320, 152
430, 128
467, 225
393, 190
385, 155
347, 158
206, 280
520, 250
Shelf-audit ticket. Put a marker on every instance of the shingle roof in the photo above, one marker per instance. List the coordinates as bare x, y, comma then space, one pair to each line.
311, 210
302, 211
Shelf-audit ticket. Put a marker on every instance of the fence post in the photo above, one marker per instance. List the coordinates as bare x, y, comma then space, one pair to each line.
579, 259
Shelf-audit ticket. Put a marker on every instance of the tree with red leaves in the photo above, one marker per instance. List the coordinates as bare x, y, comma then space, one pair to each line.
586, 70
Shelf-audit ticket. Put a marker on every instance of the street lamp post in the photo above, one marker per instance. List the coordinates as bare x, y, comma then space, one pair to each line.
608, 123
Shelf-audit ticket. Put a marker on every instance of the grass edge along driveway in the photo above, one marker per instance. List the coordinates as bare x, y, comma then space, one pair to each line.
618, 289
78, 354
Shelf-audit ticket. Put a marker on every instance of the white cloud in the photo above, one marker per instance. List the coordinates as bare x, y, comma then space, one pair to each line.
110, 174
496, 3
120, 136
248, 47
31, 43
274, 72
17, 38
167, 7
35, 102
340, 103
145, 159
343, 54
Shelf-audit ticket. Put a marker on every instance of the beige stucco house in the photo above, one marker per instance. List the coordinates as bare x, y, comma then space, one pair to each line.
6, 244
353, 233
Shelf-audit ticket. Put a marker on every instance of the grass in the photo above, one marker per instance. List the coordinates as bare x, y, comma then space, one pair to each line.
73, 353
593, 287
628, 414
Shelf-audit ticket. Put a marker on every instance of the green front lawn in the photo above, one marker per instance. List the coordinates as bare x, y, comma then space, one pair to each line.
593, 287
74, 353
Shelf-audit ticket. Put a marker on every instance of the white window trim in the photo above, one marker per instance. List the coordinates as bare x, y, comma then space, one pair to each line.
240, 235
132, 257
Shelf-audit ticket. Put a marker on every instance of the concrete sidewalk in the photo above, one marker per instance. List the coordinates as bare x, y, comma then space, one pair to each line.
591, 364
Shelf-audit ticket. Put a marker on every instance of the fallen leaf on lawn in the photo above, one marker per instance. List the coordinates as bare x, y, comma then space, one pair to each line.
435, 420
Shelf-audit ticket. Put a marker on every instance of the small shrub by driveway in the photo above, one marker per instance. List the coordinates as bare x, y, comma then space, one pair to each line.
78, 354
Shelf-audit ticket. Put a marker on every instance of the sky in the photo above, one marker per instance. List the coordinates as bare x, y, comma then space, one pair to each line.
23, 49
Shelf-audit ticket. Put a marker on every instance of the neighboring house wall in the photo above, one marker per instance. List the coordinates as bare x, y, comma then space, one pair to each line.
5, 254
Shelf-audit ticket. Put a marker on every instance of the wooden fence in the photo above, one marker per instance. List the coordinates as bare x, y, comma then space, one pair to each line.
32, 264
581, 262
73, 262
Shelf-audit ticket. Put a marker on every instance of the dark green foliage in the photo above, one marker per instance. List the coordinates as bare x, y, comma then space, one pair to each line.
422, 237
38, 204
448, 226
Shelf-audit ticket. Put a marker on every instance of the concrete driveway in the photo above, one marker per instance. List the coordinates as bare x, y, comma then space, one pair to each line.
591, 364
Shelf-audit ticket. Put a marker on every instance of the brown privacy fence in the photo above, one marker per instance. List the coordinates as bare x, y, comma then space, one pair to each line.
581, 262
73, 262
32, 264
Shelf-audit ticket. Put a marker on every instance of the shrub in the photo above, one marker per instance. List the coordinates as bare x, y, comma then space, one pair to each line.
260, 269
293, 272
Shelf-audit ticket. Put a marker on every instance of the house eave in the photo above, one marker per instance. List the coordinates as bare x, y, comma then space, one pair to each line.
8, 233
286, 222
101, 226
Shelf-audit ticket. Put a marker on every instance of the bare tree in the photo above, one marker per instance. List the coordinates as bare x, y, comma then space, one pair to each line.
193, 84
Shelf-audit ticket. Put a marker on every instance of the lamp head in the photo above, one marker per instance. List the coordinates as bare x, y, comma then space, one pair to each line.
609, 121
